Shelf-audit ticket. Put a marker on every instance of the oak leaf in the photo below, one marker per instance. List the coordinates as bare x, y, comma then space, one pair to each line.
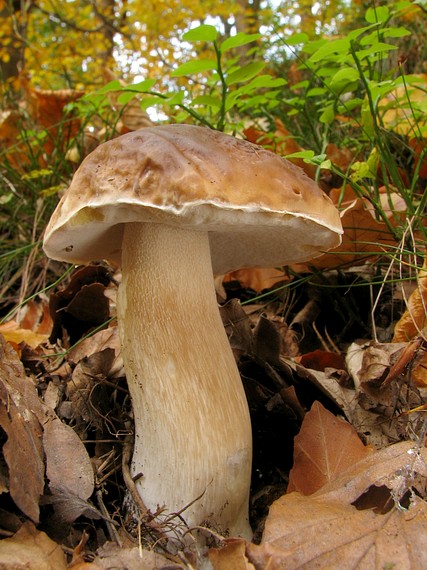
326, 530
325, 447
31, 549
20, 410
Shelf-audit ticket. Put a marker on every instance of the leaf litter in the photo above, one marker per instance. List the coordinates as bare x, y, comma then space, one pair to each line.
339, 477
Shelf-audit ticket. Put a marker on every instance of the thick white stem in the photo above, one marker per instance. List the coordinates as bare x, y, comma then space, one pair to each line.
192, 424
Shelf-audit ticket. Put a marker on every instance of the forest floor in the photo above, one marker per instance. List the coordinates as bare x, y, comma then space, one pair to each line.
338, 417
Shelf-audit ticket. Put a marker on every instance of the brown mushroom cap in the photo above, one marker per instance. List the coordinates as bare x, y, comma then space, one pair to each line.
259, 209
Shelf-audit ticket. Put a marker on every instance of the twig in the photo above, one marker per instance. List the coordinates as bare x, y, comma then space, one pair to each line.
112, 532
146, 515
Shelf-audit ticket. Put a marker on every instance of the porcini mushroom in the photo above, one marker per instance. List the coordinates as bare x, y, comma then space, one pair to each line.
173, 204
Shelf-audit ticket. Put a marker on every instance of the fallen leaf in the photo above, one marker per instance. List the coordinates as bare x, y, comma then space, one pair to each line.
325, 447
82, 305
97, 343
238, 327
48, 109
364, 236
319, 534
68, 465
419, 371
15, 334
414, 319
232, 556
23, 451
321, 359
256, 278
325, 530
68, 507
87, 377
112, 556
31, 549
35, 315
397, 107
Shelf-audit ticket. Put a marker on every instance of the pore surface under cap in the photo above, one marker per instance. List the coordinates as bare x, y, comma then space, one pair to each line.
259, 209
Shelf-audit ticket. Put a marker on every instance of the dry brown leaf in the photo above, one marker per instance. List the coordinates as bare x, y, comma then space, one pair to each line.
321, 359
414, 319
34, 434
68, 507
88, 374
15, 334
325, 530
82, 305
47, 108
35, 315
9, 136
112, 556
31, 549
317, 534
231, 557
256, 278
20, 409
419, 371
396, 108
363, 234
325, 447
68, 466
97, 343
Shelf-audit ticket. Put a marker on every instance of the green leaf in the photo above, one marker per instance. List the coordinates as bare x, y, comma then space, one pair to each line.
396, 32
267, 81
354, 34
142, 86
203, 33
147, 102
255, 102
5, 199
174, 98
378, 14
240, 39
326, 164
331, 47
312, 46
195, 66
375, 50
328, 115
349, 105
245, 73
114, 85
125, 97
366, 169
300, 85
295, 39
306, 154
206, 101
315, 92
345, 75
231, 100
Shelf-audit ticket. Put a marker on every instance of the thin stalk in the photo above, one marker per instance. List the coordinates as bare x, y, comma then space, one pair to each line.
224, 89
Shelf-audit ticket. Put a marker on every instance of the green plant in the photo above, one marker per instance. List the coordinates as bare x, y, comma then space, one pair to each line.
221, 89
354, 94
34, 168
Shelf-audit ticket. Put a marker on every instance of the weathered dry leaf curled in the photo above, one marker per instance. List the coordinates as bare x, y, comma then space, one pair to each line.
325, 530
32, 550
324, 448
23, 451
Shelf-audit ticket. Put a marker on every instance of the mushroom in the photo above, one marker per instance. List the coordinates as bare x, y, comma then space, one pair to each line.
172, 205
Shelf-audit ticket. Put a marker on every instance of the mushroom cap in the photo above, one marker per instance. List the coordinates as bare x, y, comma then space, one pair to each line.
260, 210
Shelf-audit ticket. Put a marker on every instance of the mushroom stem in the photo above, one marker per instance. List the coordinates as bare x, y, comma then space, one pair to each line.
192, 425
